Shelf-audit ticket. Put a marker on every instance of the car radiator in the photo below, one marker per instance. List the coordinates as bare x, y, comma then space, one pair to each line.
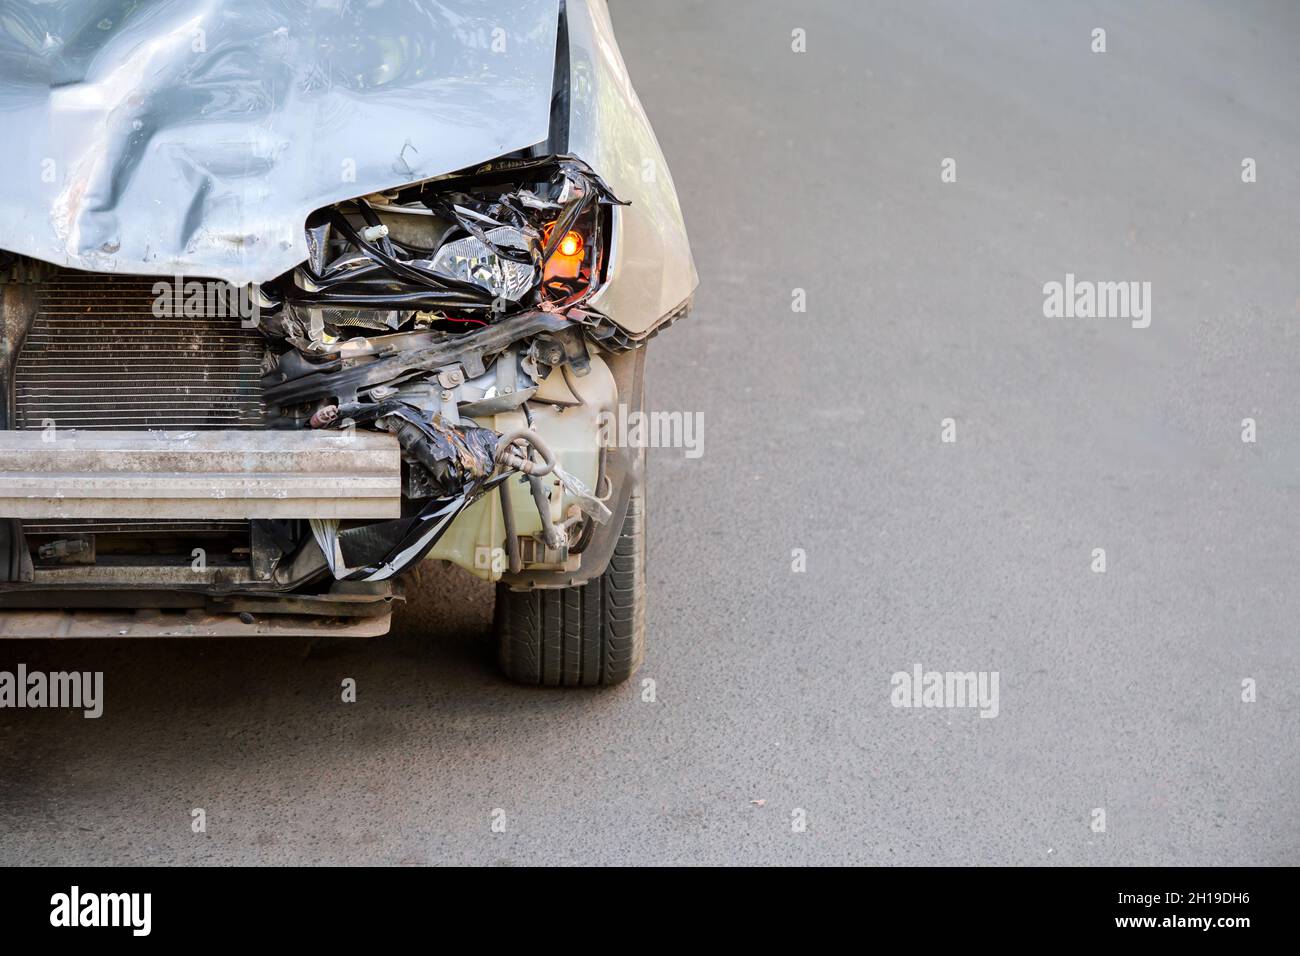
98, 357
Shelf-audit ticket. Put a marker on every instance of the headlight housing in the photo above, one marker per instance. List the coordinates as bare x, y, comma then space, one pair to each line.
468, 248
472, 260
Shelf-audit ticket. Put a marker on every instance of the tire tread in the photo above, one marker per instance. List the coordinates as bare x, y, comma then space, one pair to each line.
592, 634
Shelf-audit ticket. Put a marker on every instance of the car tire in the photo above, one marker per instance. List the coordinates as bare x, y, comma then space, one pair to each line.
584, 636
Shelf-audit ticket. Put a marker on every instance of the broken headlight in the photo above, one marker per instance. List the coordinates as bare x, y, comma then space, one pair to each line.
472, 260
463, 250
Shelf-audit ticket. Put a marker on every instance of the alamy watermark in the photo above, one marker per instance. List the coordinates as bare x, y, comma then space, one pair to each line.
1084, 299
922, 688
638, 429
77, 690
130, 910
206, 299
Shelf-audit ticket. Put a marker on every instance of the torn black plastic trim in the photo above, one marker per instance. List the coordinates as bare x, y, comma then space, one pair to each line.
452, 455
341, 382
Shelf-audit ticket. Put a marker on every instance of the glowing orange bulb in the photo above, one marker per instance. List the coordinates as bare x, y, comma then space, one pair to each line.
571, 244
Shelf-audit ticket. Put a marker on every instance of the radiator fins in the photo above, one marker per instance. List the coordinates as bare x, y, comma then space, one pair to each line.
97, 357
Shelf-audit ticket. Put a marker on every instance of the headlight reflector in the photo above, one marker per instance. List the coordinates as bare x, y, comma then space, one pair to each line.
472, 261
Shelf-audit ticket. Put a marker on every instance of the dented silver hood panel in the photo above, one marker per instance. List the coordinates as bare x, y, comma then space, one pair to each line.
195, 136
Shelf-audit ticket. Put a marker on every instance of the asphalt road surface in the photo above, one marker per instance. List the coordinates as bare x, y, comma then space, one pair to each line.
1119, 691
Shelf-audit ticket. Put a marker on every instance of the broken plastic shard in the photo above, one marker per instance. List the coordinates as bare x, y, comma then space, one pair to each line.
326, 532
588, 502
473, 261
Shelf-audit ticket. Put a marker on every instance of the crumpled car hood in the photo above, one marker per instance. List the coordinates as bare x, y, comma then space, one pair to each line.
195, 136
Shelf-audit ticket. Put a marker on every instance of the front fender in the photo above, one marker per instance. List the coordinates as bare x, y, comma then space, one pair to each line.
600, 120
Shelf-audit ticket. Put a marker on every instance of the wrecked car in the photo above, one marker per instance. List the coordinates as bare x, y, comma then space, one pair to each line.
295, 297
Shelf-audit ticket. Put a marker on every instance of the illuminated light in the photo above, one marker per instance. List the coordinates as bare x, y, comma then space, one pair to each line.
571, 244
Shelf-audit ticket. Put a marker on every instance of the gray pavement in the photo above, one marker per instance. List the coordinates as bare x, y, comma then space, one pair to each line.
821, 171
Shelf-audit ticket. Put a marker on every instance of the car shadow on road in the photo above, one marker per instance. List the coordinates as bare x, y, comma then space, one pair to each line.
184, 703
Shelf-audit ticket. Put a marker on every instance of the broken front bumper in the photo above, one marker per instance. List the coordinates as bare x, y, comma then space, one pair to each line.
349, 478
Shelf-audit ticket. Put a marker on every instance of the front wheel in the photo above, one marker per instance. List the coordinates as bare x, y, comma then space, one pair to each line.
592, 634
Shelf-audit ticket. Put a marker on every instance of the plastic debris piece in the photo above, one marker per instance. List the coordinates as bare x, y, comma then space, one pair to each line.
584, 499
